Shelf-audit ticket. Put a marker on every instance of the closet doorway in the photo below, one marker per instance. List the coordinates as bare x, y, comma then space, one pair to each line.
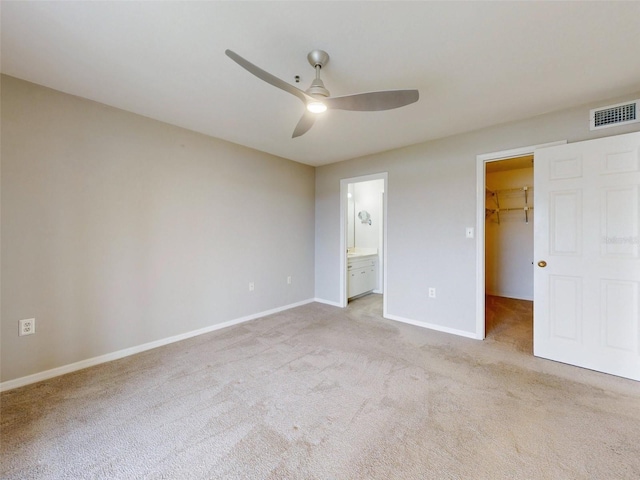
363, 211
498, 282
508, 252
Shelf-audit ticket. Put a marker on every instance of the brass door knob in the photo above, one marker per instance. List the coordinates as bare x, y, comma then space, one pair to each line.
542, 263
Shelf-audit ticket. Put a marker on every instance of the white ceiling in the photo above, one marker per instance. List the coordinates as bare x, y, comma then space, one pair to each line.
475, 64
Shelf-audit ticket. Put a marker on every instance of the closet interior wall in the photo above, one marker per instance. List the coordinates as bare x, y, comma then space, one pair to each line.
509, 233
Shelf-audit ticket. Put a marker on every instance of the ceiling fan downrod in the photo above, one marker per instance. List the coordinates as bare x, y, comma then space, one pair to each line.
318, 59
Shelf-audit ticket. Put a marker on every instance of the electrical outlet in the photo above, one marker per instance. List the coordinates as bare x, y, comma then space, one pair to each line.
27, 326
251, 286
289, 280
432, 292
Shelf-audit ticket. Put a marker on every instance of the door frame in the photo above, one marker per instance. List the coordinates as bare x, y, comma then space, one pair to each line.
344, 185
481, 161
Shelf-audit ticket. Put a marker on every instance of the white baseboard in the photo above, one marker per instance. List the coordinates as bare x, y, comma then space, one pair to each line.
327, 302
431, 326
90, 362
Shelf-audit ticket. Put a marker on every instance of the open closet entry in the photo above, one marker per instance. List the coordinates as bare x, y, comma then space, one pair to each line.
509, 251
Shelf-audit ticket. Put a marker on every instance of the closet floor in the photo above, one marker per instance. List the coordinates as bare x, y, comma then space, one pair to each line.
509, 321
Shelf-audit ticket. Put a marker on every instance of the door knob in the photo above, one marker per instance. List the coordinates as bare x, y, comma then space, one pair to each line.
542, 263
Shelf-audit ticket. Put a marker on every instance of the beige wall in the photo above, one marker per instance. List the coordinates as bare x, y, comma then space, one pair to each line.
118, 230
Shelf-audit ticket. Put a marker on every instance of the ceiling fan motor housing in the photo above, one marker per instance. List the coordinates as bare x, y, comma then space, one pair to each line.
317, 88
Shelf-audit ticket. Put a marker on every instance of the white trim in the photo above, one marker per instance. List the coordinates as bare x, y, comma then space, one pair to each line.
342, 255
327, 302
481, 160
517, 152
344, 185
90, 362
431, 326
385, 290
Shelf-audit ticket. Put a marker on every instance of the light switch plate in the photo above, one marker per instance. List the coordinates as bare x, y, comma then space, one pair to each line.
470, 232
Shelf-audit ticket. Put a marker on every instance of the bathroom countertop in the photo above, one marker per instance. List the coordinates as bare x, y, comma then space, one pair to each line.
362, 254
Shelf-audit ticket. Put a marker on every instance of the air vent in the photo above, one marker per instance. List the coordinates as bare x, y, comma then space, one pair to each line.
615, 115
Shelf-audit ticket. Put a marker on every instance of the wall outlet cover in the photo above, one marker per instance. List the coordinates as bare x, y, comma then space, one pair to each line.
27, 327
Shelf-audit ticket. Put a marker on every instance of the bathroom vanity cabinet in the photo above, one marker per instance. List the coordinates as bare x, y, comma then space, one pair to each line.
362, 274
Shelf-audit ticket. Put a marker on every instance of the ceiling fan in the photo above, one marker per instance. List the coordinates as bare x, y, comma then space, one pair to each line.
317, 99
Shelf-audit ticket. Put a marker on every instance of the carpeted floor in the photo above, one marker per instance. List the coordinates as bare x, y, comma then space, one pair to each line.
323, 393
510, 322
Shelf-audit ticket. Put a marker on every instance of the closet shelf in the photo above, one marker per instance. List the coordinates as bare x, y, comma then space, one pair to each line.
509, 192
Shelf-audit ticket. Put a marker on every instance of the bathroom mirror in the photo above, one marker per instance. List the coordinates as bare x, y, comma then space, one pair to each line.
364, 217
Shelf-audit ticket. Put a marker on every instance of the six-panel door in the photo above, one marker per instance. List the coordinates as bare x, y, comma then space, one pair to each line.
587, 230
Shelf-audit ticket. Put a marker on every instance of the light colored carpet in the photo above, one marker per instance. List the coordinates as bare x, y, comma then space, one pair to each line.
323, 393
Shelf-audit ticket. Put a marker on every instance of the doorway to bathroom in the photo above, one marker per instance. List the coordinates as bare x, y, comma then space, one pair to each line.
363, 208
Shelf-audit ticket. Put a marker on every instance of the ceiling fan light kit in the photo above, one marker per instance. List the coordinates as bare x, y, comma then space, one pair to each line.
317, 98
316, 107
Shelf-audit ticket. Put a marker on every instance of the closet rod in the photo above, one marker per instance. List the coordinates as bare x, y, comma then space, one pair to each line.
495, 210
507, 190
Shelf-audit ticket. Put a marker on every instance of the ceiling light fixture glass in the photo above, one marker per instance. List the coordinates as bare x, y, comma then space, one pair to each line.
316, 107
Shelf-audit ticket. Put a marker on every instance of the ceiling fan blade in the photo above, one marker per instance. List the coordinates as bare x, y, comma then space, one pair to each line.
373, 101
305, 123
267, 77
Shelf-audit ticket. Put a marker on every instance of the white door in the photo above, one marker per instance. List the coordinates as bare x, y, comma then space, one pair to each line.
587, 232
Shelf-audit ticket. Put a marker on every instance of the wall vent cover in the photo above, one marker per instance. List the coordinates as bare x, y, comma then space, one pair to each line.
615, 115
